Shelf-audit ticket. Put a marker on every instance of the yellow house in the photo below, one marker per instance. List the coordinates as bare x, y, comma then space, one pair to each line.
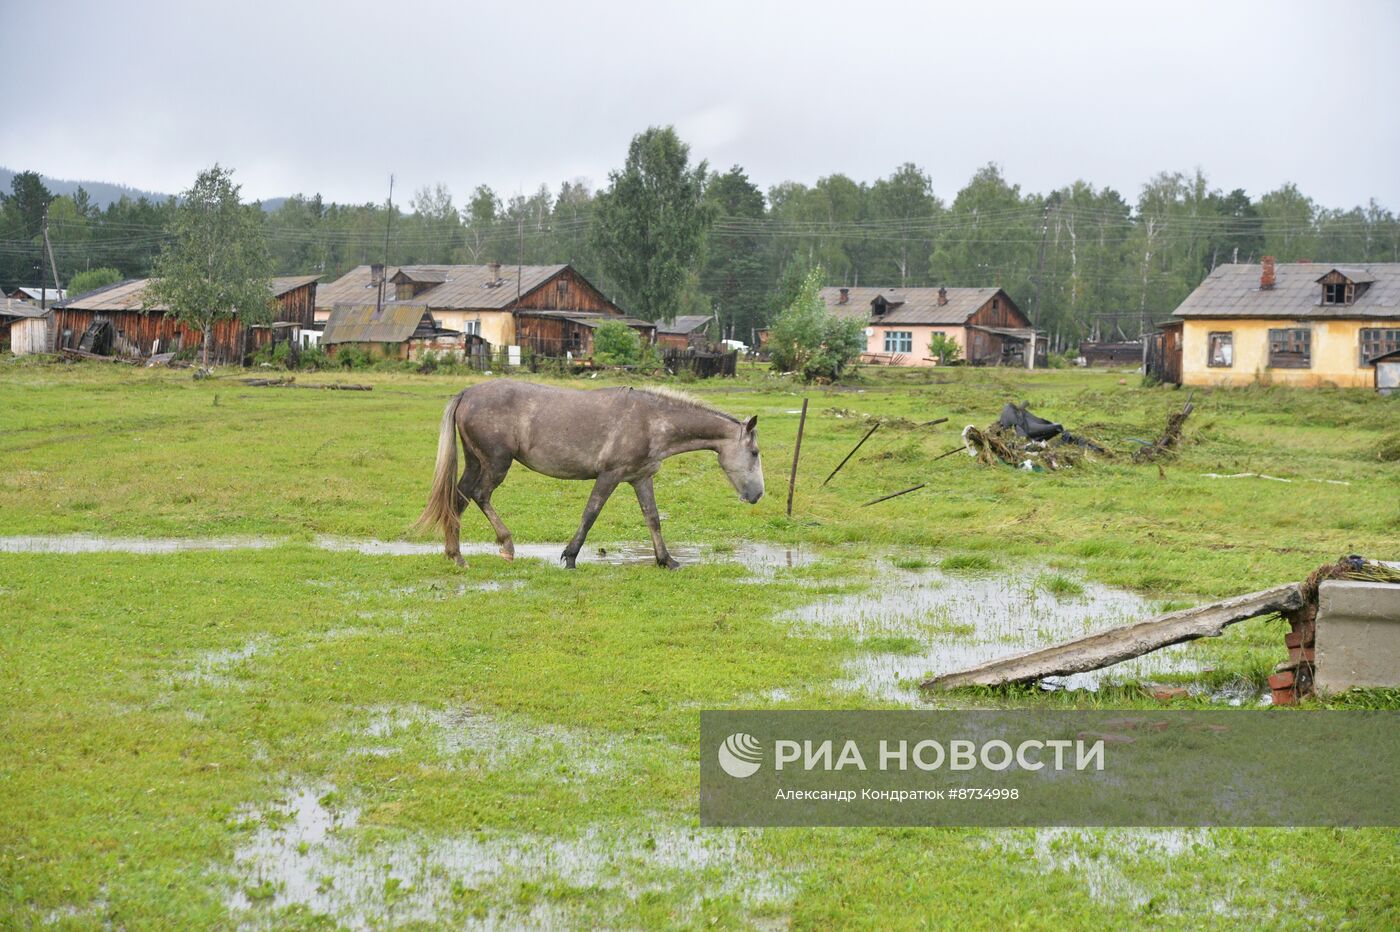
482, 300
1292, 323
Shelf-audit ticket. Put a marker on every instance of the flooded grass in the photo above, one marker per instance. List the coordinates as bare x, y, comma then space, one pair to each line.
234, 699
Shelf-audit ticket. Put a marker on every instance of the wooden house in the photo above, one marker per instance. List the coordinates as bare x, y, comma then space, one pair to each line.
1294, 323
141, 331
689, 331
556, 334
483, 300
988, 327
397, 331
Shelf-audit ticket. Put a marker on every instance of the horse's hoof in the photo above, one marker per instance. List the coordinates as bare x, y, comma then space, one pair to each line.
568, 560
670, 564
507, 554
457, 558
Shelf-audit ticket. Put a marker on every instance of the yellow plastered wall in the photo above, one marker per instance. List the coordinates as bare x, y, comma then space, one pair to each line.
1336, 353
497, 327
918, 356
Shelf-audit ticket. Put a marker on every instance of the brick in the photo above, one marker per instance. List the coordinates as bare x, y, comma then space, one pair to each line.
1302, 655
1285, 697
1282, 680
1169, 693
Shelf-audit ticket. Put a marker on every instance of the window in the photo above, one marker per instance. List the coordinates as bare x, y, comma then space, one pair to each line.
472, 327
1377, 341
562, 287
1340, 293
899, 341
1290, 348
1220, 349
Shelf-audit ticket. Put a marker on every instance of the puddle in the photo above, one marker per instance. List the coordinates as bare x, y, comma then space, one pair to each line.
87, 543
917, 623
1101, 859
490, 742
214, 668
762, 557
308, 853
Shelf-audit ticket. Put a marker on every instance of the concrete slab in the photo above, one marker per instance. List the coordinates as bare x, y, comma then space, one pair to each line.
1358, 635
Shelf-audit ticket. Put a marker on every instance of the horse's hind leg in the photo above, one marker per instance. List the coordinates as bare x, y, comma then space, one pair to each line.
492, 476
452, 532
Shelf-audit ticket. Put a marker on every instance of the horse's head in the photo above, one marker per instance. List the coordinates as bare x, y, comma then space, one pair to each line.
738, 457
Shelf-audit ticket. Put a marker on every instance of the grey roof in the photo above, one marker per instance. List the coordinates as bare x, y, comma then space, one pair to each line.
684, 324
13, 308
1233, 291
915, 305
589, 319
39, 294
463, 287
358, 323
129, 295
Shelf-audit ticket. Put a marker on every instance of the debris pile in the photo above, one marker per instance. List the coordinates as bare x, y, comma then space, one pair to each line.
1027, 441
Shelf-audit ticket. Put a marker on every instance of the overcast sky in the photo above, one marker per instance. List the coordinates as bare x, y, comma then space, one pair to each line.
331, 97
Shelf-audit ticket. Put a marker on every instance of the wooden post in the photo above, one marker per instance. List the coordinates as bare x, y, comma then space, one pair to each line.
852, 453
796, 452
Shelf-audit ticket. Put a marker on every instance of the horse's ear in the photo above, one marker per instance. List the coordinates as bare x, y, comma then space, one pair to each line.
750, 424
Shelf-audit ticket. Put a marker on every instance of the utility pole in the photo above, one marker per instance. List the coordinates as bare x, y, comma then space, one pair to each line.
388, 224
53, 268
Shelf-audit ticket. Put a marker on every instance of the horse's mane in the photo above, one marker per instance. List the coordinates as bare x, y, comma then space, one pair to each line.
681, 397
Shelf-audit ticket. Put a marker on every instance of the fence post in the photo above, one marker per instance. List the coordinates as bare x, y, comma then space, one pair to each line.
796, 452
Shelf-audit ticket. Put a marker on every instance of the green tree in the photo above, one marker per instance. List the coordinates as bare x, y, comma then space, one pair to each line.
217, 265
93, 279
735, 273
810, 340
944, 348
616, 344
651, 222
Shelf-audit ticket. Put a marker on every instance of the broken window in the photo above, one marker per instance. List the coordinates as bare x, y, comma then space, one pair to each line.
899, 341
1377, 341
1290, 348
1340, 293
1221, 349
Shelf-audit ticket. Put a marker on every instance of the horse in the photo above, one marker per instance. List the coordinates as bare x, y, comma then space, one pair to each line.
609, 435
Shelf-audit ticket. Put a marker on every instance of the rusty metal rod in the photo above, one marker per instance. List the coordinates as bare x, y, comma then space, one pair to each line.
796, 452
852, 453
885, 498
937, 420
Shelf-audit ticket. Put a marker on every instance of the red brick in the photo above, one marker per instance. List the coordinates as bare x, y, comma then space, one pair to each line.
1282, 680
1285, 697
1169, 693
1293, 639
1302, 654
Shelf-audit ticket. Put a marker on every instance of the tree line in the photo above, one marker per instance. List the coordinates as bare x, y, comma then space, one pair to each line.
667, 235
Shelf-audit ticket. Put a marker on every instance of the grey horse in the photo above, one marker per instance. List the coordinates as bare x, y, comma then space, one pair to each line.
609, 435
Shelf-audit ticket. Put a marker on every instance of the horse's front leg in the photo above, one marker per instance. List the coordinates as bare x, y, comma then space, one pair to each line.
601, 490
646, 497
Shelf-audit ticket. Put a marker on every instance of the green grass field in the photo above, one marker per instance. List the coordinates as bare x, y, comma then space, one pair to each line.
291, 735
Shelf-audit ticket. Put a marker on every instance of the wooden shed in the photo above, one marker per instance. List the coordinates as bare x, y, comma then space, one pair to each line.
141, 331
557, 334
689, 331
24, 328
398, 331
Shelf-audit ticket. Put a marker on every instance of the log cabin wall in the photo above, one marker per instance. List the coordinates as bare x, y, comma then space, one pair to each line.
230, 341
998, 311
568, 291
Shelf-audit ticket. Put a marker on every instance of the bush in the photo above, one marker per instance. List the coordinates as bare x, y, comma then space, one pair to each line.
810, 340
351, 357
314, 359
93, 279
616, 344
944, 348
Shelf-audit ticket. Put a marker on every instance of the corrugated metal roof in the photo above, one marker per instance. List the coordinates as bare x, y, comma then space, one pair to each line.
128, 295
915, 305
1233, 291
464, 287
684, 324
13, 308
39, 294
358, 323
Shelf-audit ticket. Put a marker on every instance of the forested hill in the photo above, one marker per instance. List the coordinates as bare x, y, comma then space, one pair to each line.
100, 193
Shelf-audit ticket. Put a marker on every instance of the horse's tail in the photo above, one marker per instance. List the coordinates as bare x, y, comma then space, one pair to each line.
442, 500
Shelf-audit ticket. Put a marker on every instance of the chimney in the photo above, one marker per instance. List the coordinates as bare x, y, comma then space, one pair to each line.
1266, 274
376, 273
495, 273
942, 296
845, 296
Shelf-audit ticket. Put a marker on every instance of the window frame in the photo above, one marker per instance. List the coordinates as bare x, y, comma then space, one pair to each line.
1287, 337
902, 338
1228, 340
1387, 338
1343, 289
